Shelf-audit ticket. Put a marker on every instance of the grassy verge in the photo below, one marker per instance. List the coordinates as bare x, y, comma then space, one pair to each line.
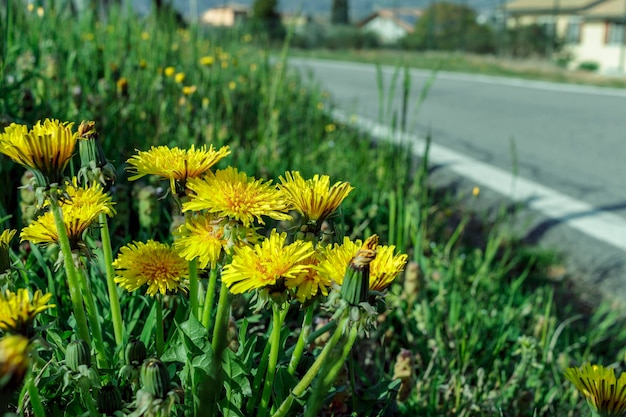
474, 64
474, 327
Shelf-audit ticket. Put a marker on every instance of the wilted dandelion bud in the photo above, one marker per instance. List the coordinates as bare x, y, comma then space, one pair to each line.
232, 335
356, 283
135, 352
109, 400
403, 370
77, 353
155, 378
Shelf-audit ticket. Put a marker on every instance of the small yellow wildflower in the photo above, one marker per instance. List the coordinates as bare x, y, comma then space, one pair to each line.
232, 85
605, 393
246, 38
230, 193
145, 36
253, 67
267, 264
309, 283
169, 71
40, 11
203, 237
386, 267
189, 90
179, 77
14, 361
152, 263
45, 149
18, 310
5, 239
207, 61
80, 209
475, 191
330, 128
175, 164
122, 86
88, 36
143, 64
314, 198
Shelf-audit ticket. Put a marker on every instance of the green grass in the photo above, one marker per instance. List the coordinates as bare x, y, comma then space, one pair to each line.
469, 63
486, 330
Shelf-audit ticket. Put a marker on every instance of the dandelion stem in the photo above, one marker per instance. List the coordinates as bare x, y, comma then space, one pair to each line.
193, 287
307, 379
302, 339
94, 320
70, 271
160, 342
114, 301
218, 343
330, 374
278, 317
35, 400
210, 295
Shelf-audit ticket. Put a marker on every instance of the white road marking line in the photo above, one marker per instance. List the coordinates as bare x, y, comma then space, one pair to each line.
584, 217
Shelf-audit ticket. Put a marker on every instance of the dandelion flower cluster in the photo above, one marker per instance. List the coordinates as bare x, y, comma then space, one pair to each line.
18, 310
599, 385
152, 263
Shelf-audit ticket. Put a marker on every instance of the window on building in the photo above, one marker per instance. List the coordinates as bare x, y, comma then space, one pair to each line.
572, 33
615, 33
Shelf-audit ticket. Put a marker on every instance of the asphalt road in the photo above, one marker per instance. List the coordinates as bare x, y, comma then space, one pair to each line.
570, 139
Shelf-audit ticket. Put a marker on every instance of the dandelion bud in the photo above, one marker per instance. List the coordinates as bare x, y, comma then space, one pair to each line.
155, 378
109, 400
411, 283
78, 353
356, 283
403, 370
5, 260
135, 352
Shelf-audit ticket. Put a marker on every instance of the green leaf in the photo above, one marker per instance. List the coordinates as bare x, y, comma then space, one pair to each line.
283, 383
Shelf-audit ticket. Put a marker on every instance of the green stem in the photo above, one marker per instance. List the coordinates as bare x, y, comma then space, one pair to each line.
302, 338
94, 320
207, 309
114, 301
70, 272
35, 399
278, 317
88, 398
221, 323
160, 342
306, 380
193, 287
320, 390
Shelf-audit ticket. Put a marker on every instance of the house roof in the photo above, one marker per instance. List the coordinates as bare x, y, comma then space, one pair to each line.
405, 17
236, 7
607, 9
548, 6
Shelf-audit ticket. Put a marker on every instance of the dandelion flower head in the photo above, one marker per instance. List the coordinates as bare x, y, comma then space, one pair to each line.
14, 360
309, 283
600, 387
45, 149
265, 264
314, 198
18, 310
175, 164
230, 193
154, 264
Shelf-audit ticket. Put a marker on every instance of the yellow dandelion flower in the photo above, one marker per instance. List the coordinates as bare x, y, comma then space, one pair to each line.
145, 36
330, 128
386, 267
169, 71
143, 64
175, 164
122, 86
246, 38
201, 238
40, 11
253, 67
207, 61
230, 193
475, 191
383, 269
80, 209
265, 264
30, 7
14, 361
45, 149
232, 85
189, 89
600, 387
18, 310
309, 283
179, 77
152, 263
314, 198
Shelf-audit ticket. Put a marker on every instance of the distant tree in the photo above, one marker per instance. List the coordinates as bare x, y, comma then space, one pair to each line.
339, 12
266, 18
448, 26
